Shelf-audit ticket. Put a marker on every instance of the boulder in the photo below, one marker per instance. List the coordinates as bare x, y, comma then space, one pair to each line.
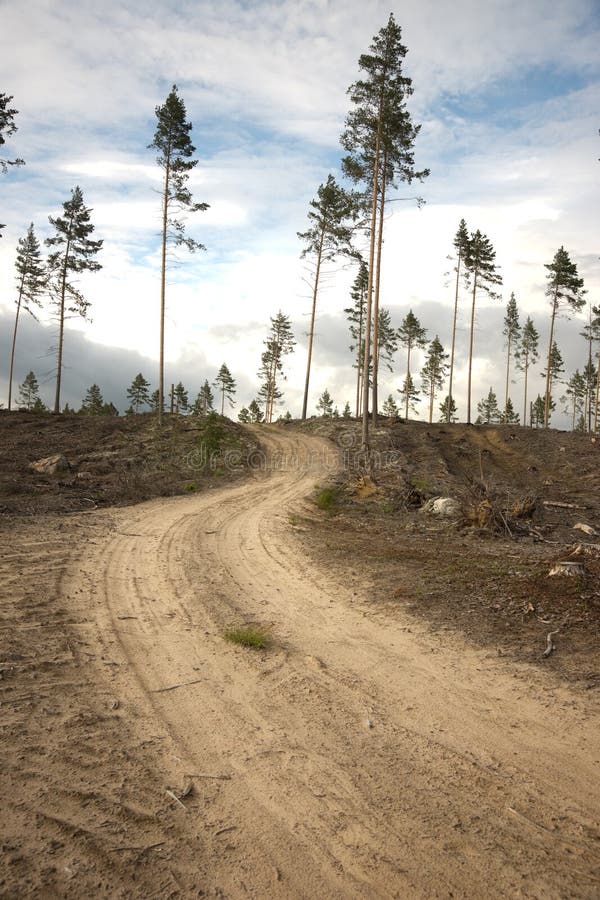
50, 465
445, 507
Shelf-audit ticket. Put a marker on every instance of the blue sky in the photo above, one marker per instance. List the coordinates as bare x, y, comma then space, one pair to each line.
508, 97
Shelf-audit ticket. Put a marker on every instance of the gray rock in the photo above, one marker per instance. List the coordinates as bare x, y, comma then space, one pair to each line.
445, 507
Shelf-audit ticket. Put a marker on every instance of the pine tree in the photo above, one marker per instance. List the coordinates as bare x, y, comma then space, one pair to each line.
387, 338
410, 395
256, 413
379, 138
139, 393
526, 354
226, 384
551, 375
591, 332
244, 415
509, 415
204, 402
29, 393
325, 404
175, 149
480, 263
93, 402
390, 407
181, 398
411, 335
31, 282
590, 378
564, 288
331, 219
109, 409
280, 342
347, 413
356, 317
461, 241
154, 401
433, 372
538, 408
7, 129
448, 410
512, 333
74, 254
488, 409
573, 399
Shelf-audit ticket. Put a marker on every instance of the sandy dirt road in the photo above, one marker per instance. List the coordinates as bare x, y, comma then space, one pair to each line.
359, 757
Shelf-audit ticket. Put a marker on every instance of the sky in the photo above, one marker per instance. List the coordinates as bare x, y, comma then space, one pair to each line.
507, 94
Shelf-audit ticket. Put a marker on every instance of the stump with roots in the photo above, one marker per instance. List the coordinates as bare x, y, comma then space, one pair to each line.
567, 567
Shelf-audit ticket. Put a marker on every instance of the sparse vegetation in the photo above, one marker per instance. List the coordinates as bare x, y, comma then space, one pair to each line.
253, 636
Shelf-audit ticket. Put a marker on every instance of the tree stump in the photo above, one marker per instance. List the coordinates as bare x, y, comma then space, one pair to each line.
567, 567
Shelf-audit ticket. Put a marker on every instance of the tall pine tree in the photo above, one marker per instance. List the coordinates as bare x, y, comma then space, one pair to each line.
74, 254
379, 138
512, 332
565, 289
31, 282
461, 241
411, 335
175, 149
433, 372
7, 129
526, 354
356, 317
280, 342
331, 217
480, 263
225, 383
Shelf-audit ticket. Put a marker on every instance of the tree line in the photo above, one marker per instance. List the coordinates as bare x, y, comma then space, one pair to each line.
345, 223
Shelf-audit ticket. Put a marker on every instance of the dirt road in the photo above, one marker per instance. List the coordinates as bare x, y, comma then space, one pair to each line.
359, 757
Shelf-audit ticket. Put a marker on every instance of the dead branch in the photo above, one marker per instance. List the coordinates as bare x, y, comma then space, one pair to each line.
175, 798
172, 687
142, 848
207, 775
550, 645
225, 830
562, 505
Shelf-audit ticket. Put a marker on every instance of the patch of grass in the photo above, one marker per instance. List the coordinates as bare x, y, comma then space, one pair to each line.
419, 484
191, 487
249, 636
293, 519
326, 498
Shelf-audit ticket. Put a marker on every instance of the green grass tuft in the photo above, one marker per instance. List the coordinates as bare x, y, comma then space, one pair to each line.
249, 636
326, 498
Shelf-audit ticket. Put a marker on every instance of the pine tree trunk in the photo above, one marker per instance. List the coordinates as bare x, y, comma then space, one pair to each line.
525, 391
597, 399
504, 417
376, 297
163, 276
471, 348
431, 399
448, 414
407, 382
223, 400
369, 311
548, 374
61, 328
312, 322
14, 341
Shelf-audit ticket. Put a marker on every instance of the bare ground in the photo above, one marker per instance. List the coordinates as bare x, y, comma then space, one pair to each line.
363, 755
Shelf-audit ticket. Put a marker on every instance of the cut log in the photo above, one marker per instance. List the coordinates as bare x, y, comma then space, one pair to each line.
567, 567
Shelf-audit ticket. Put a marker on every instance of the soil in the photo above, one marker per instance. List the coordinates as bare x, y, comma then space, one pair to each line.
375, 748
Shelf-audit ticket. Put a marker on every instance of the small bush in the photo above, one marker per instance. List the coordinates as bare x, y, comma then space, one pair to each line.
191, 487
326, 498
249, 636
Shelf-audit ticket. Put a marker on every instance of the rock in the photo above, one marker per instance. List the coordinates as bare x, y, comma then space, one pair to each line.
445, 507
50, 465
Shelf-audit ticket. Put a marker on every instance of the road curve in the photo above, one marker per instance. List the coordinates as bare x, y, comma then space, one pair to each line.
360, 757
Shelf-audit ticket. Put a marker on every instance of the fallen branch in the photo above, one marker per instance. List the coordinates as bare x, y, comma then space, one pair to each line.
225, 830
207, 775
172, 687
562, 505
550, 646
175, 798
142, 848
